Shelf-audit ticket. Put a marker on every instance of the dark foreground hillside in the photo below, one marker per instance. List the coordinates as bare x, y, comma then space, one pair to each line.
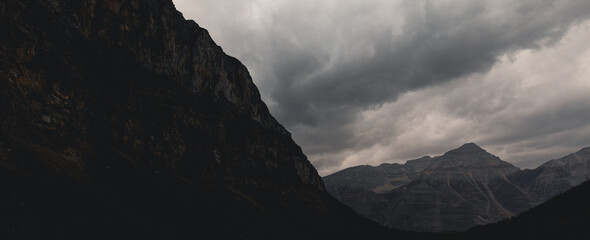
120, 119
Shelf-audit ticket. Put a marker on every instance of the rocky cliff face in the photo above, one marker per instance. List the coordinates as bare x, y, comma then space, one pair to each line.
119, 118
108, 67
463, 188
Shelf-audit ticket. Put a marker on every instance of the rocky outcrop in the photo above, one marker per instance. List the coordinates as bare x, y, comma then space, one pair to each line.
463, 188
119, 118
555, 176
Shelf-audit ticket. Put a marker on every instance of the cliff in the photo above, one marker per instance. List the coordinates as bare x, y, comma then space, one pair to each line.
123, 119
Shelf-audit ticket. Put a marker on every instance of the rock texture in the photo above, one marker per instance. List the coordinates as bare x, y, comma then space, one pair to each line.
566, 216
120, 119
463, 188
555, 176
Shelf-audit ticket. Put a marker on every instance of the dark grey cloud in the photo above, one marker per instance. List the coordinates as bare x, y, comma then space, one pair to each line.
434, 46
322, 66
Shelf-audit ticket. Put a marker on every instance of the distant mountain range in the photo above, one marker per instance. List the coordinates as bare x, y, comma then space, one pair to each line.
463, 188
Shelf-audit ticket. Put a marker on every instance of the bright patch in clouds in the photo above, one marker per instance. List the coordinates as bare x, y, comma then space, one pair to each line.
532, 106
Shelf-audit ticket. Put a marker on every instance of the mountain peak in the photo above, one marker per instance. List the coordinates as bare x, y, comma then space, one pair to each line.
470, 145
467, 148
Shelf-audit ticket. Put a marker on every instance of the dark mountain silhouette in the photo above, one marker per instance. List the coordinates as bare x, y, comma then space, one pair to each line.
463, 188
121, 119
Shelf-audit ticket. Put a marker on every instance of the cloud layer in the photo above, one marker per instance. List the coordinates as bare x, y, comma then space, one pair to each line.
366, 82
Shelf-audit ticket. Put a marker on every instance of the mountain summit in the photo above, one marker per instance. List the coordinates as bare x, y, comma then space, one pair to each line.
471, 157
467, 148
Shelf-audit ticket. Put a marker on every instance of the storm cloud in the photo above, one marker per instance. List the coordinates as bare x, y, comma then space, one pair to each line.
366, 82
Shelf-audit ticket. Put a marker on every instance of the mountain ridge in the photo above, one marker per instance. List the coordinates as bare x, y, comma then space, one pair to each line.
462, 188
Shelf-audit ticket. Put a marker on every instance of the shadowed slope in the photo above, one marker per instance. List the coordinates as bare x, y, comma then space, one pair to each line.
122, 119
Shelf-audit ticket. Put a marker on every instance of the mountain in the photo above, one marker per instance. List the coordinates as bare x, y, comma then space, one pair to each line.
555, 176
377, 179
463, 188
121, 119
566, 216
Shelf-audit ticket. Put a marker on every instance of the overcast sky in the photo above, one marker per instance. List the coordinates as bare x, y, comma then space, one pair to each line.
368, 82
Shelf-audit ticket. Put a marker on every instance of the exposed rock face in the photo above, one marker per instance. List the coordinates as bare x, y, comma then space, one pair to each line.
120, 118
463, 188
555, 176
377, 179
141, 60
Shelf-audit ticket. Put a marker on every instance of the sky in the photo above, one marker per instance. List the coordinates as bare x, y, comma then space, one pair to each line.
366, 82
